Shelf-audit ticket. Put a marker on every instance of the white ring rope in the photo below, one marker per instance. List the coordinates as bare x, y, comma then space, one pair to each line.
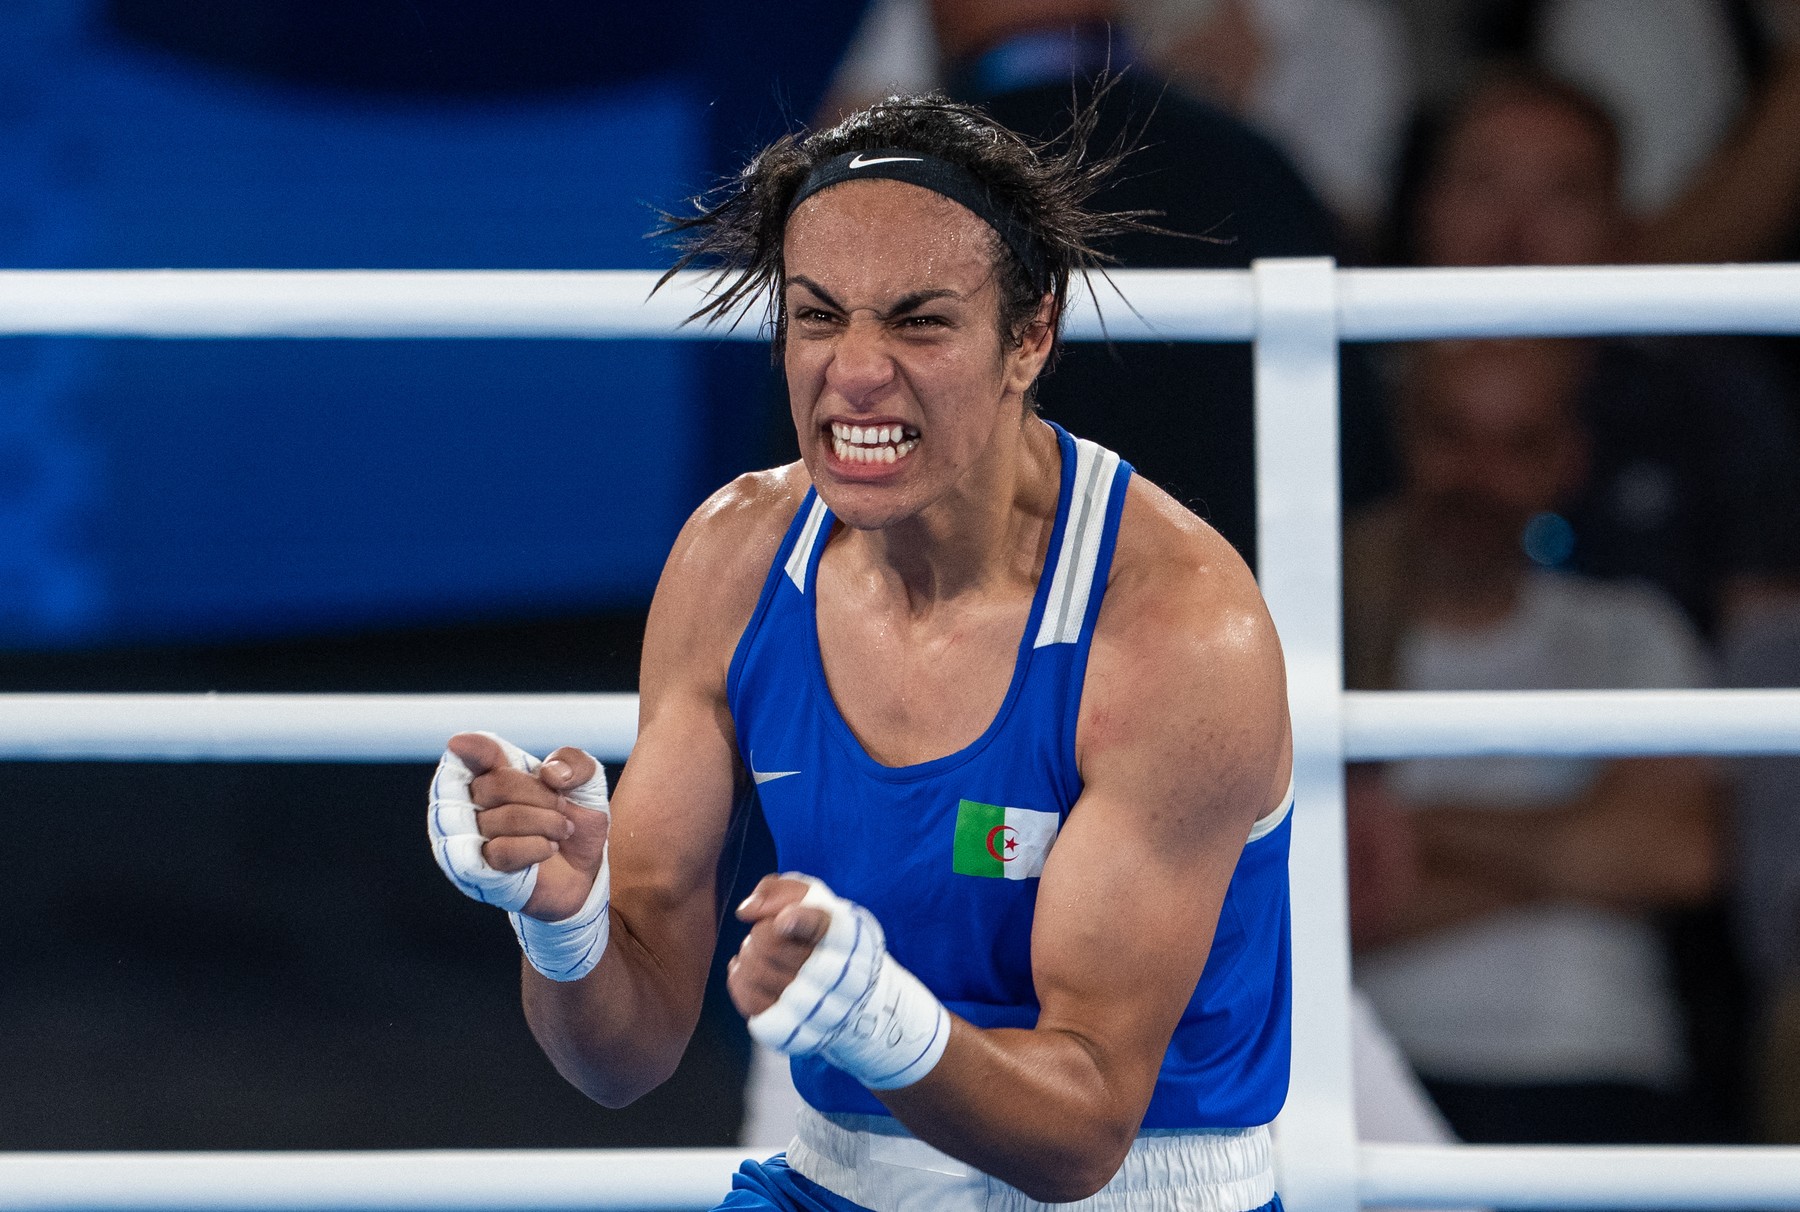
1378, 726
453, 1180
1148, 305
1571, 1176
304, 727
1385, 725
469, 1180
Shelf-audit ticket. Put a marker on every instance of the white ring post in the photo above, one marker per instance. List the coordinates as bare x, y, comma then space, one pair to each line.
1296, 361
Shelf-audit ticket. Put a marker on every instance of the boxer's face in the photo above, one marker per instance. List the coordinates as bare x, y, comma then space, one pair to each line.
901, 385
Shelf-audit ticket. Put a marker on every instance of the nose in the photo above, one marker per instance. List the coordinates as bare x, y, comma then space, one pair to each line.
860, 360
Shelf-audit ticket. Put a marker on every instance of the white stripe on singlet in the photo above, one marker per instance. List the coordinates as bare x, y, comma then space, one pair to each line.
799, 560
1268, 824
1073, 584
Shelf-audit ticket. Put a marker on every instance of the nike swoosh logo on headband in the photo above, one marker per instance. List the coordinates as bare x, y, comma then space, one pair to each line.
858, 162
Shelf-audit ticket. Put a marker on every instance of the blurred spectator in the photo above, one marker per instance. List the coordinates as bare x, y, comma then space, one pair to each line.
1501, 904
1705, 94
1180, 411
1673, 71
1693, 483
1328, 80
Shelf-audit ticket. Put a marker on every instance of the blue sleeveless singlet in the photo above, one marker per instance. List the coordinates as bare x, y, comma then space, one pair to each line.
945, 853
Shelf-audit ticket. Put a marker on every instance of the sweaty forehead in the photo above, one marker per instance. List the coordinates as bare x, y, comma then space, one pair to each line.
888, 236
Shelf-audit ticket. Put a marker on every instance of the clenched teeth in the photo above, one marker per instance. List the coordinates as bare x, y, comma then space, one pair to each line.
872, 443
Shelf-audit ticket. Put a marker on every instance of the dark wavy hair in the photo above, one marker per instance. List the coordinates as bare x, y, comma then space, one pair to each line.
737, 230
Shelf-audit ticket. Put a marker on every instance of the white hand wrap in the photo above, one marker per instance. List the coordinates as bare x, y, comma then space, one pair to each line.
854, 1005
565, 950
456, 840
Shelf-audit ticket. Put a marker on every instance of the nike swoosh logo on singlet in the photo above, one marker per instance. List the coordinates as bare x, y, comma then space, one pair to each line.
767, 776
857, 161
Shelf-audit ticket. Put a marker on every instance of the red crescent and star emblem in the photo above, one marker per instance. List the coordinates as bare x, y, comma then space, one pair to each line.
1008, 839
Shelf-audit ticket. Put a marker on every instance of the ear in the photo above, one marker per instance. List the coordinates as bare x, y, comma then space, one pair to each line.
1026, 361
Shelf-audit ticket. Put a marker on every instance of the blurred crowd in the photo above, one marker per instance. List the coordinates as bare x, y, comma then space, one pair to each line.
1563, 950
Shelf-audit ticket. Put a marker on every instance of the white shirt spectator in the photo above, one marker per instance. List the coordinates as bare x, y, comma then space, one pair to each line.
1550, 992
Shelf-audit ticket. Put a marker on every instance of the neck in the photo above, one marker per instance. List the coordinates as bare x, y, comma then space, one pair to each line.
992, 528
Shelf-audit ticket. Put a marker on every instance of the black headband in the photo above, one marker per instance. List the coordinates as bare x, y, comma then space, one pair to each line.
940, 176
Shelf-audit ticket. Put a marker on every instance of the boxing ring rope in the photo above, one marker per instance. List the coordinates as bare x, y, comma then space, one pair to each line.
1378, 726
474, 1180
1164, 304
1296, 312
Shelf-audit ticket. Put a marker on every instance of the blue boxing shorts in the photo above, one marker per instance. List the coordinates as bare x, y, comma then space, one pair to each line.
758, 1186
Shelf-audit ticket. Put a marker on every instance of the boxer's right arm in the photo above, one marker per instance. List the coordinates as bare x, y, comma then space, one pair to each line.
619, 1031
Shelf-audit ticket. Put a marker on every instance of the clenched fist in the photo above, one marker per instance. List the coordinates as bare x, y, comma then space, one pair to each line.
553, 818
782, 935
529, 837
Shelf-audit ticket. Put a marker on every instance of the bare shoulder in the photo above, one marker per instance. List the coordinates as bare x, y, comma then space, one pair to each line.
1185, 668
1177, 587
716, 568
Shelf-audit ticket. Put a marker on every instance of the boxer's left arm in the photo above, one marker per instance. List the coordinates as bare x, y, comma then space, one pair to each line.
1184, 743
617, 910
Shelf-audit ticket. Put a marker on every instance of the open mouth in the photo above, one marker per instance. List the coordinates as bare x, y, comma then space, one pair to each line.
872, 443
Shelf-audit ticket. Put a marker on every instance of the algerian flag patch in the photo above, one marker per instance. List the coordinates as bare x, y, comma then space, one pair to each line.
1002, 843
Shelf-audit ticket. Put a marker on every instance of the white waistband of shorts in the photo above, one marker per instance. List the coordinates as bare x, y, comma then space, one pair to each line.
872, 1161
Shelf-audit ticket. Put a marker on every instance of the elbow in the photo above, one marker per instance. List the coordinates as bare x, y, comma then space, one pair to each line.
614, 1091
1075, 1174
1064, 1189
614, 1098
613, 1080
613, 1085
610, 1088
1070, 1183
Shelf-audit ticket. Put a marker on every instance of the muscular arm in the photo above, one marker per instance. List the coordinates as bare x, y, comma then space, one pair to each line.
1644, 836
1183, 744
619, 1032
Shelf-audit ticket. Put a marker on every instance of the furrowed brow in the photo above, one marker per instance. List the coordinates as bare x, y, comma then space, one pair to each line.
918, 299
905, 305
820, 292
